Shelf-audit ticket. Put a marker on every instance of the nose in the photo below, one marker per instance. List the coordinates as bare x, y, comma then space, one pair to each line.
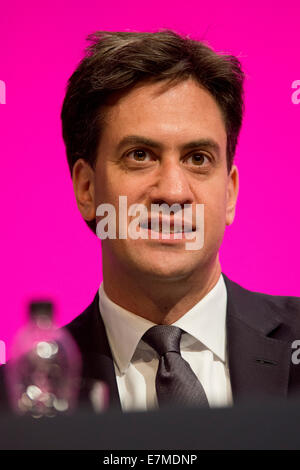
172, 185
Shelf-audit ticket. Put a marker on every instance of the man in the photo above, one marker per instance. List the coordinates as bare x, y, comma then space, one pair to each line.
155, 117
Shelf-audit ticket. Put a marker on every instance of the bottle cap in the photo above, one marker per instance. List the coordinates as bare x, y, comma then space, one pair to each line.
41, 310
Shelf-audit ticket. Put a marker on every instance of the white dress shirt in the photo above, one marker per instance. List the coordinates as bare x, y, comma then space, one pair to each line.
203, 346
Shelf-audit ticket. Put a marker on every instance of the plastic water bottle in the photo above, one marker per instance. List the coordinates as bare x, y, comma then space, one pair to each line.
43, 374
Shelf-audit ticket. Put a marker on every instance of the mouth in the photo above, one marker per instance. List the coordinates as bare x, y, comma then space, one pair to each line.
166, 226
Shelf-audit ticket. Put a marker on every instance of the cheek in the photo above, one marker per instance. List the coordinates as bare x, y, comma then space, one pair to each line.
111, 183
215, 211
107, 190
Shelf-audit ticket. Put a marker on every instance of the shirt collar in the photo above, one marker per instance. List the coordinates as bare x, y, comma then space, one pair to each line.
205, 322
124, 329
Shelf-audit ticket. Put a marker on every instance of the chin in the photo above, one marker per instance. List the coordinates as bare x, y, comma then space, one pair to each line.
167, 271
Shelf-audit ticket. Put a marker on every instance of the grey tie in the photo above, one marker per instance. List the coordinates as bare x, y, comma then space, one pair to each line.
175, 381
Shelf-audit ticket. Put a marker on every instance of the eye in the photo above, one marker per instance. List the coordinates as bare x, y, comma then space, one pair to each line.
138, 155
199, 159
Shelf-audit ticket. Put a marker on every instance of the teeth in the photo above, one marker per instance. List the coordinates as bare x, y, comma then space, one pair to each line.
167, 231
146, 226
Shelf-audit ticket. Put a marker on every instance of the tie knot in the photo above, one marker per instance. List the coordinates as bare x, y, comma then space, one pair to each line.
163, 338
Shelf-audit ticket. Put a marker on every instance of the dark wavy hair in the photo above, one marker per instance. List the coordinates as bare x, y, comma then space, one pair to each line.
115, 62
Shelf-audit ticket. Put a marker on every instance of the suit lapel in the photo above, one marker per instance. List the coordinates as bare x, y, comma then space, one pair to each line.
258, 362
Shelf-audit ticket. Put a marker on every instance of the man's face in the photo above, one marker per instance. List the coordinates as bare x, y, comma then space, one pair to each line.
177, 155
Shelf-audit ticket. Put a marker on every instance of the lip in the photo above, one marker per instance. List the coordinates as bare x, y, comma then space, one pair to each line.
169, 238
185, 225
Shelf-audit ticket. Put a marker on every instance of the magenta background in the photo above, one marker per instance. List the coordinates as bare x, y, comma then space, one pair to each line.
46, 248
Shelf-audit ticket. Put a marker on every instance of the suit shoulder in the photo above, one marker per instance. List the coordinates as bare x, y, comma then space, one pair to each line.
257, 304
82, 327
287, 302
82, 319
292, 302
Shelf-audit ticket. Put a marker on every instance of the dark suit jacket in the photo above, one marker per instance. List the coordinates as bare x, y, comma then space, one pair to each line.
260, 331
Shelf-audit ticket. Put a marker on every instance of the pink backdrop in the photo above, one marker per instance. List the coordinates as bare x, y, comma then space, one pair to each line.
46, 248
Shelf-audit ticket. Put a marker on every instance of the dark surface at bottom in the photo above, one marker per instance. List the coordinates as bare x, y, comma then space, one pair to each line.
267, 426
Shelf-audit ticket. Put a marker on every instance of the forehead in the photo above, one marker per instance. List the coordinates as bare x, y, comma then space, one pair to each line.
182, 111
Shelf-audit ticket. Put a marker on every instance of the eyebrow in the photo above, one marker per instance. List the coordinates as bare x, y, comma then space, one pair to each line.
207, 143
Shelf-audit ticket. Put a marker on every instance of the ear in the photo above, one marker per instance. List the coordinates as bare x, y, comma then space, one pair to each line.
83, 177
232, 194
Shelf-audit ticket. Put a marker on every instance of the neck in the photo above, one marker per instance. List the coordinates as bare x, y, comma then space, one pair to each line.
162, 301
